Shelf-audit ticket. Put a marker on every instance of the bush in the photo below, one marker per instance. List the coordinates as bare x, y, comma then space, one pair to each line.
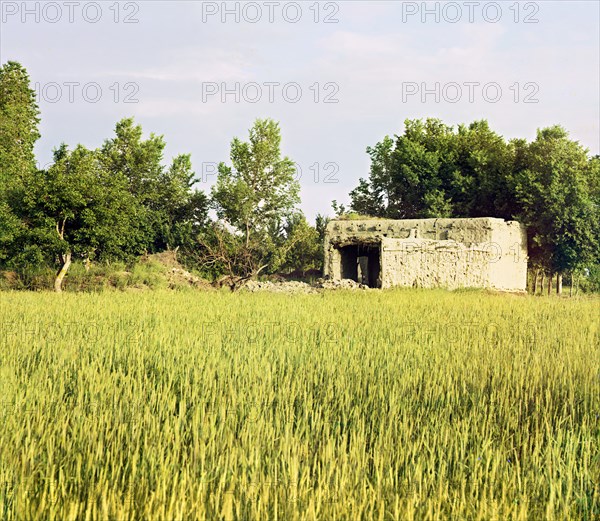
35, 278
589, 281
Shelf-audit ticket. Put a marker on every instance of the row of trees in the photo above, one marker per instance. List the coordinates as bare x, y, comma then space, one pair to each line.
119, 201
550, 184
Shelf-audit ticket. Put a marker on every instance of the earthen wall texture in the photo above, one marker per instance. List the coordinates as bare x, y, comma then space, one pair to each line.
453, 253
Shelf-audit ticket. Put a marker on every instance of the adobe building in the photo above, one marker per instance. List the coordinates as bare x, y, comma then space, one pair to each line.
481, 252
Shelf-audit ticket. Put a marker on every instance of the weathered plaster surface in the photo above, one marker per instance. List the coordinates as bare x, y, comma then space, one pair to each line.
453, 253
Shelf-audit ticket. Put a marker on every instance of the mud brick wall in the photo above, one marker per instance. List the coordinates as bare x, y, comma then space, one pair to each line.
452, 253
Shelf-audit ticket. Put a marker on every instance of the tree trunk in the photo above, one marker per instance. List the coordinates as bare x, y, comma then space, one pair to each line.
535, 280
66, 260
559, 283
571, 285
549, 284
542, 283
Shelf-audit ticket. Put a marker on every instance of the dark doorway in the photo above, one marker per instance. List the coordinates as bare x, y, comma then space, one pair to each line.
362, 263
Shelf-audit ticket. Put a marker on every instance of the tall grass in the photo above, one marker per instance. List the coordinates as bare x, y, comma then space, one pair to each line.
406, 404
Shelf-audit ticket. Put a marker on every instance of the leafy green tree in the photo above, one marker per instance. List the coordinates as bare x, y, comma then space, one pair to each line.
10, 227
296, 246
593, 179
182, 211
373, 197
407, 176
171, 212
555, 193
78, 208
321, 222
304, 248
260, 184
481, 173
258, 190
433, 171
19, 120
139, 161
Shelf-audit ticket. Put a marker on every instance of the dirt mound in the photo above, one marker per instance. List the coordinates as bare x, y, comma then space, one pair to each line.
180, 276
166, 258
177, 275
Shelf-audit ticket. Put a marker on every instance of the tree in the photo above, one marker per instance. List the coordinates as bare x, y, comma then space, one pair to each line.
481, 172
221, 253
593, 179
407, 177
139, 161
10, 227
19, 120
78, 208
182, 211
296, 246
433, 171
171, 211
257, 191
304, 249
373, 197
321, 222
554, 192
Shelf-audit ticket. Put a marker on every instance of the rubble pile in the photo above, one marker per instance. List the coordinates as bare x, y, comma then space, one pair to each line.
278, 287
254, 286
340, 284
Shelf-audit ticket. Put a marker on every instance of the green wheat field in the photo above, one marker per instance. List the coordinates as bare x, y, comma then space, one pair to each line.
375, 405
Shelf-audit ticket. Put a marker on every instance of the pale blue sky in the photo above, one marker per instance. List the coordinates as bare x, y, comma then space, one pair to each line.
375, 53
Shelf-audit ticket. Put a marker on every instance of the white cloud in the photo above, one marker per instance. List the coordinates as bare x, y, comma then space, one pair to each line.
194, 64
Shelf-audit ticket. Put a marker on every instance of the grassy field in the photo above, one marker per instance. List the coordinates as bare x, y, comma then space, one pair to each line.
375, 405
